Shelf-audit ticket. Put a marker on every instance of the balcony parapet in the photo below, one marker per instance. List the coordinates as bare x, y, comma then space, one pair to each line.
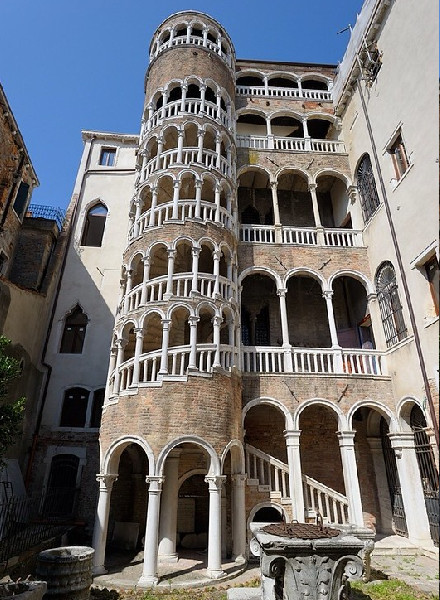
301, 236
193, 40
186, 210
207, 159
271, 142
283, 92
315, 361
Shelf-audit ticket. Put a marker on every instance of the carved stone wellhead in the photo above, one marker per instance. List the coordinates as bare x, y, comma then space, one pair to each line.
310, 561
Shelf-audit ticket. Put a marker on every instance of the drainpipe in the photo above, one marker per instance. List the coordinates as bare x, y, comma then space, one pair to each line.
399, 260
46, 365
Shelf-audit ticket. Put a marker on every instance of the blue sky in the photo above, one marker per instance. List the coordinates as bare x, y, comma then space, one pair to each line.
67, 66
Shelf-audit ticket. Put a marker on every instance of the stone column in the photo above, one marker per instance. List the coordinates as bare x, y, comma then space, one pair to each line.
192, 363
315, 204
149, 576
120, 344
168, 513
218, 150
216, 256
183, 99
217, 196
411, 488
198, 185
170, 272
164, 104
154, 193
195, 269
176, 191
128, 287
288, 366
106, 482
239, 517
145, 279
200, 136
295, 474
214, 569
179, 146
202, 98
137, 215
376, 321
159, 151
307, 141
266, 85
139, 332
351, 481
217, 320
165, 340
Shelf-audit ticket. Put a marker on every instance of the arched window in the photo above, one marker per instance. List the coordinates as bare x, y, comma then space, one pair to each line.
74, 331
367, 188
389, 303
74, 411
61, 487
94, 225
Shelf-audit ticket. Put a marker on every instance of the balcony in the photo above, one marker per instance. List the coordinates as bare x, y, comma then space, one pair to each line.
301, 236
314, 361
208, 159
283, 92
271, 142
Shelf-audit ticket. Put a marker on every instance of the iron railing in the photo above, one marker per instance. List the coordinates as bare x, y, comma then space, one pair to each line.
38, 211
26, 521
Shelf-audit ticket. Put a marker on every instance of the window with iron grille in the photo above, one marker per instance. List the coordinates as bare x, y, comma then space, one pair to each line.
389, 304
367, 188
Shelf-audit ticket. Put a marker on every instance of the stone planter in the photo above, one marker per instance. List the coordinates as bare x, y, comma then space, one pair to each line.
24, 590
68, 572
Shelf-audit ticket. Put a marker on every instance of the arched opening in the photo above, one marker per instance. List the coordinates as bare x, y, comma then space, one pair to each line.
250, 80
282, 82
74, 332
286, 126
268, 514
305, 305
321, 129
295, 201
260, 312
333, 202
94, 225
251, 124
352, 317
158, 261
255, 198
314, 84
129, 502
62, 487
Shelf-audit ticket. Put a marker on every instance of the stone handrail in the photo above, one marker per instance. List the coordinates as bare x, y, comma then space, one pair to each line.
190, 106
270, 359
186, 209
181, 288
271, 472
284, 92
190, 156
302, 236
193, 40
271, 142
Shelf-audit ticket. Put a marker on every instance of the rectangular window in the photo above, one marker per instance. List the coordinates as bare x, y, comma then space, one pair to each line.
21, 200
399, 157
107, 157
432, 274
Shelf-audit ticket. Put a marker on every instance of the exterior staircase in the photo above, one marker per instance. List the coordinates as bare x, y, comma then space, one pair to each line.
268, 474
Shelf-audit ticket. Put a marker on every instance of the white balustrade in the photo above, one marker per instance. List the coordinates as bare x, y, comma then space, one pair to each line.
168, 159
178, 360
304, 236
260, 142
282, 92
194, 40
268, 359
191, 106
269, 471
262, 359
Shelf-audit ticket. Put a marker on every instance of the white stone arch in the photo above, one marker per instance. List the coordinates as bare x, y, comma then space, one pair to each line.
286, 112
255, 270
182, 239
119, 329
403, 411
266, 504
369, 288
189, 474
317, 76
379, 410
187, 171
240, 464
207, 241
193, 80
110, 458
269, 401
209, 305
136, 253
151, 311
292, 171
251, 73
319, 114
251, 111
214, 466
334, 173
289, 75
156, 243
342, 421
246, 168
305, 271
179, 304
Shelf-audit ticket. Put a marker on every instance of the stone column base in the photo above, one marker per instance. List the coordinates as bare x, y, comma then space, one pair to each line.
147, 581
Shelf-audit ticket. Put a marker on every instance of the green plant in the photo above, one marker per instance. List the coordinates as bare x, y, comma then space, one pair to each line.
11, 411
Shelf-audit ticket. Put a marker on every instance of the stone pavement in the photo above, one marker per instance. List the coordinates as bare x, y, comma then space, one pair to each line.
393, 557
